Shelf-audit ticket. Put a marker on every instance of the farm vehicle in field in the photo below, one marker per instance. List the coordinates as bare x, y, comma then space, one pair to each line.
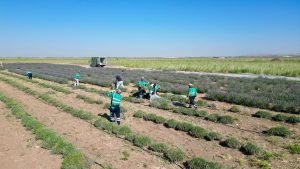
98, 61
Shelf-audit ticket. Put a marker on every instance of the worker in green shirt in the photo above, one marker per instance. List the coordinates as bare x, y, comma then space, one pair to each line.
156, 87
29, 75
153, 88
142, 86
192, 93
77, 75
116, 99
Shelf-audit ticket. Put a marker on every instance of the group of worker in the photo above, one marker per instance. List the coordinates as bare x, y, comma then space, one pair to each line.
143, 85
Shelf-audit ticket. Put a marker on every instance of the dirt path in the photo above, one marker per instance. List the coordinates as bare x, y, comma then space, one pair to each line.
19, 148
97, 144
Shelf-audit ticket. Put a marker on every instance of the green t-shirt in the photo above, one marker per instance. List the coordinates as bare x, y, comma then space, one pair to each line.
116, 98
142, 83
156, 87
77, 75
192, 91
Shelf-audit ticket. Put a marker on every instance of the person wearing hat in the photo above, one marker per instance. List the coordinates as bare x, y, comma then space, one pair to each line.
192, 93
115, 109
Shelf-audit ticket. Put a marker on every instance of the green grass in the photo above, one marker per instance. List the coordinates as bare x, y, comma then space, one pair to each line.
263, 114
284, 67
200, 163
174, 154
232, 143
89, 100
158, 147
235, 109
125, 155
250, 149
46, 85
294, 148
72, 158
278, 131
213, 136
279, 117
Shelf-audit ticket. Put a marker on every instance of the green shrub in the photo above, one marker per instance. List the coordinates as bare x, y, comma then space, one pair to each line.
184, 126
250, 149
198, 132
225, 119
263, 114
171, 123
125, 155
235, 109
280, 117
88, 99
201, 113
133, 100
263, 164
200, 163
213, 117
231, 143
139, 114
149, 117
278, 131
124, 130
294, 148
213, 136
173, 97
158, 147
141, 141
201, 103
162, 104
293, 119
266, 155
130, 137
159, 120
174, 155
75, 160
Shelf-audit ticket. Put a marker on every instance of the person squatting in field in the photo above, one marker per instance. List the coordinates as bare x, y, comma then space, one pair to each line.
142, 86
192, 93
115, 109
119, 83
153, 89
29, 74
77, 75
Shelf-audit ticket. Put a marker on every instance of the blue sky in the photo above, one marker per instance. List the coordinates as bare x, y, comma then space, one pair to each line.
145, 28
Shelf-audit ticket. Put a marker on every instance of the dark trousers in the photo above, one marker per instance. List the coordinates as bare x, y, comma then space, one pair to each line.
115, 110
141, 91
29, 76
192, 100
